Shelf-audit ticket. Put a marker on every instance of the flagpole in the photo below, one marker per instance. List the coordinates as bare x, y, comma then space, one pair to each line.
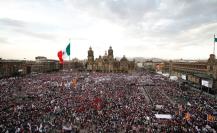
214, 45
70, 48
70, 53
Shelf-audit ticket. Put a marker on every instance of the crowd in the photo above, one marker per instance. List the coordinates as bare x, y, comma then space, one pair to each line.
102, 102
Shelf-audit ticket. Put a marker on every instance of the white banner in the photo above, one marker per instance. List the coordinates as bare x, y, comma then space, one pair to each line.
173, 78
183, 77
207, 83
163, 116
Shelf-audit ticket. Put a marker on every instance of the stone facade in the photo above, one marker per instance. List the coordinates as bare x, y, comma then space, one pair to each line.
108, 63
42, 65
194, 71
74, 65
9, 68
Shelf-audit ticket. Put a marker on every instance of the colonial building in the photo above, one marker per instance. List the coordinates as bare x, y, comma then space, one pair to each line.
108, 63
12, 68
74, 64
42, 64
198, 73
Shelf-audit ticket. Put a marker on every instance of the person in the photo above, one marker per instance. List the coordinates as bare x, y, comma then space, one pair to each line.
101, 102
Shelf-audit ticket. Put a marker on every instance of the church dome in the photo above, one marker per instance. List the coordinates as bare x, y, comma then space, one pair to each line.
123, 59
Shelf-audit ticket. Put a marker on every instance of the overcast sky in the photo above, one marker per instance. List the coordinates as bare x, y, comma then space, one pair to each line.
168, 29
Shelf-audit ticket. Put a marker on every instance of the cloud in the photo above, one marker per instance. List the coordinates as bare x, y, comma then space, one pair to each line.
39, 35
117, 10
151, 17
133, 26
11, 23
4, 40
186, 14
25, 28
131, 10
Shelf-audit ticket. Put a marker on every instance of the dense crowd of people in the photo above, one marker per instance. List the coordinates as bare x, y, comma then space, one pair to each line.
102, 102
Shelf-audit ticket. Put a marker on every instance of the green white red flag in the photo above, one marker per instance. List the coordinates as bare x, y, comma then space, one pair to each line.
64, 53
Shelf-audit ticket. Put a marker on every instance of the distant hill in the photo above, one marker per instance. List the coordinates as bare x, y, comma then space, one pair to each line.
142, 59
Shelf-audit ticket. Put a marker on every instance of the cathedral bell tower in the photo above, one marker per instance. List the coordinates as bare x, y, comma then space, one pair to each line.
110, 53
90, 56
90, 59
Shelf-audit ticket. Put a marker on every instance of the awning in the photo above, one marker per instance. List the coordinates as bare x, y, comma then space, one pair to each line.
201, 75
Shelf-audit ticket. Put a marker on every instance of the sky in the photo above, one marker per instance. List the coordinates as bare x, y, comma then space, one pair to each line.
167, 29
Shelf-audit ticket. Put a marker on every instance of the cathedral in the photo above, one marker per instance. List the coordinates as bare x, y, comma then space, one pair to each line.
108, 63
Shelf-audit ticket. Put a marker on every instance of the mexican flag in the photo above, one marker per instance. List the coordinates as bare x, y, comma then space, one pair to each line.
62, 54
215, 39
